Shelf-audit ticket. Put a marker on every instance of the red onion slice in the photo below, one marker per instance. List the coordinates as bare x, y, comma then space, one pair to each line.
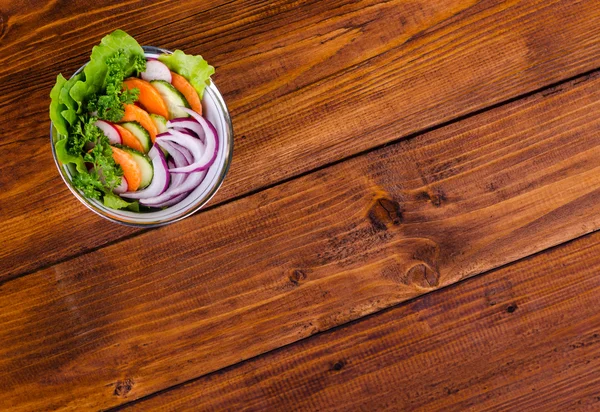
110, 131
176, 151
192, 182
211, 137
185, 152
202, 160
172, 201
188, 132
160, 180
177, 178
185, 131
156, 70
187, 123
195, 146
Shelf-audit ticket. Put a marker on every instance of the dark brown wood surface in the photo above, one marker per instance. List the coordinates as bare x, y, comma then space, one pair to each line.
383, 150
522, 338
308, 83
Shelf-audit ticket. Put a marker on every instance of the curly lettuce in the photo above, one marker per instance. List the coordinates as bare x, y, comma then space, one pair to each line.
63, 155
99, 87
56, 107
96, 70
194, 68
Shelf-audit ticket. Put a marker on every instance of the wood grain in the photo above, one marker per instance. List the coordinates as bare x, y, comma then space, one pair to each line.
305, 256
523, 338
308, 83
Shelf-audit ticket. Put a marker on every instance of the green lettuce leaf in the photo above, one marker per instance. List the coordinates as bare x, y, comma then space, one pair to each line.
56, 107
70, 116
110, 105
194, 68
95, 71
134, 206
65, 157
70, 113
115, 202
65, 97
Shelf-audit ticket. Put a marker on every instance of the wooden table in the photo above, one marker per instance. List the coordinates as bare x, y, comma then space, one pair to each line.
408, 223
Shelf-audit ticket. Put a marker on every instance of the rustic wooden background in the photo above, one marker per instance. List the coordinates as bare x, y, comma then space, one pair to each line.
385, 152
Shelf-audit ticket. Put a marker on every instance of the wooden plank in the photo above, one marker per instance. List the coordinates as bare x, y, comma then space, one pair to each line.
302, 257
525, 337
308, 83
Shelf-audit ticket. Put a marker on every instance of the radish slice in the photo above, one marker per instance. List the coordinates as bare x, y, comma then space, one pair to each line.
156, 70
186, 123
110, 131
192, 181
160, 180
122, 187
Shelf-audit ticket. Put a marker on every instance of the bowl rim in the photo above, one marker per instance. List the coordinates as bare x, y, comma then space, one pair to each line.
194, 207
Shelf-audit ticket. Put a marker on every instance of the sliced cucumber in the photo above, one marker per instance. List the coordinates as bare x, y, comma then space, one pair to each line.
144, 163
160, 122
140, 133
172, 97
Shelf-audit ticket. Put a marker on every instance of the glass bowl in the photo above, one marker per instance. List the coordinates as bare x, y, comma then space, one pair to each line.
215, 110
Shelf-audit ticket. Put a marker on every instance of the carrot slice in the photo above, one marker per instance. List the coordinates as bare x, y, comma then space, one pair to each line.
129, 139
131, 170
184, 87
135, 114
149, 97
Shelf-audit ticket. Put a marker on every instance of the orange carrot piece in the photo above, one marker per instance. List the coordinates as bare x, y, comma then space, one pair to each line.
135, 114
131, 170
149, 97
129, 139
191, 95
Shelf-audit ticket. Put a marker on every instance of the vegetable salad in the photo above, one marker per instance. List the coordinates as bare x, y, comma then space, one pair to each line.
133, 127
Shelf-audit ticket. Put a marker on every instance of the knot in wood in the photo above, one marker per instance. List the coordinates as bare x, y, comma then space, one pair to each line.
297, 276
385, 212
422, 275
123, 387
339, 365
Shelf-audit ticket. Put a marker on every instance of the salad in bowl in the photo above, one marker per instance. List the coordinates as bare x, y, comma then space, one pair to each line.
140, 135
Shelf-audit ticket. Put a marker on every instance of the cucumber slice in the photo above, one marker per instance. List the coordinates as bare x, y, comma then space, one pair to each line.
172, 97
144, 163
140, 133
160, 122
